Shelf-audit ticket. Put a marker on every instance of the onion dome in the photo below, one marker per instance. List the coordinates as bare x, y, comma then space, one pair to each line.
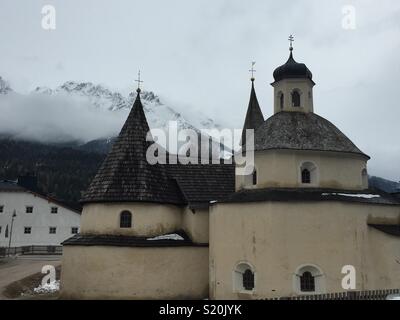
292, 69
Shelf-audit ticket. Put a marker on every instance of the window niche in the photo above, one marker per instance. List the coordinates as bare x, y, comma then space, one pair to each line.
254, 177
296, 98
309, 279
281, 100
364, 178
308, 174
244, 278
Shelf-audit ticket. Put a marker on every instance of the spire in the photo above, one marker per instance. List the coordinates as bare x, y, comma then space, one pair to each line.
126, 175
254, 117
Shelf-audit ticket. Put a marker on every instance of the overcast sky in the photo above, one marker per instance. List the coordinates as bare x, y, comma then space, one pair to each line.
198, 53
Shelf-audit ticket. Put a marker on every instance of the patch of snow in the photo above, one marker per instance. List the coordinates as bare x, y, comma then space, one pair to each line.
365, 196
172, 236
48, 287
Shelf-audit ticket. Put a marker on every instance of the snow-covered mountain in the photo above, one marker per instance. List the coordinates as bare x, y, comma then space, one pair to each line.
157, 112
4, 87
84, 113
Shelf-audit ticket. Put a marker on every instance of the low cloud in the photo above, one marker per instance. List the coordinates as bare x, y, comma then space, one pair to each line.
56, 119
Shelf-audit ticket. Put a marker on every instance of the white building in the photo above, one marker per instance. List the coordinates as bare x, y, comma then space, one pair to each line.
39, 219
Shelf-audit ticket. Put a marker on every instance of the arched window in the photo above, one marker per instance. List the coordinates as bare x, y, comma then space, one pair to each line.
295, 98
254, 177
364, 178
281, 100
309, 279
308, 174
307, 282
305, 176
243, 278
248, 280
125, 220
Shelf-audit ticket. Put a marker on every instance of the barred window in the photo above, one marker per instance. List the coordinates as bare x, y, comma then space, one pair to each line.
54, 210
244, 278
29, 209
248, 280
125, 220
307, 282
306, 176
27, 230
52, 230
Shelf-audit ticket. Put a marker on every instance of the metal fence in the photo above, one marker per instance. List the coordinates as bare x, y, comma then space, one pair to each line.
26, 250
349, 295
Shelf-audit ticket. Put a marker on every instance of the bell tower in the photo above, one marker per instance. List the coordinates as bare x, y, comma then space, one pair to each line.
293, 86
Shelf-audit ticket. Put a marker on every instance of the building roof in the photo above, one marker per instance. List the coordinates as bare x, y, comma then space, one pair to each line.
13, 186
292, 69
131, 241
254, 117
308, 194
393, 230
126, 175
302, 131
201, 184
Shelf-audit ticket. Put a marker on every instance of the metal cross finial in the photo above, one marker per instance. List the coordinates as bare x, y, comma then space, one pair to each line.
139, 82
291, 40
252, 70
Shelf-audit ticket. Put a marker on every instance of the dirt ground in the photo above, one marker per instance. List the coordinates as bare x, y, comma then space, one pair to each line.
22, 274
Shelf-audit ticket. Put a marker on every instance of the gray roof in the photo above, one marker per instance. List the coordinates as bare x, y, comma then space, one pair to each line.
254, 117
126, 176
310, 195
130, 241
302, 131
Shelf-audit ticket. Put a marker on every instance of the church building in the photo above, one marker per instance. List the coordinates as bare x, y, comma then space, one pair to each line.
196, 231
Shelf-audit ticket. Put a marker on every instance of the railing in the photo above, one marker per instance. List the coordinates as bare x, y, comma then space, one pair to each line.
349, 295
25, 250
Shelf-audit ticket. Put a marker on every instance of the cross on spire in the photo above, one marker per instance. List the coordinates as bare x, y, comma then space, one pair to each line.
252, 70
291, 40
139, 82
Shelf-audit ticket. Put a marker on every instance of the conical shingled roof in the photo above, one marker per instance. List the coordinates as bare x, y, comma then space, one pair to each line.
254, 117
125, 175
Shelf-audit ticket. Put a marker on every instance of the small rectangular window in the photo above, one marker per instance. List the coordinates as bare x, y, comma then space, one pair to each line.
74, 230
54, 210
29, 209
0, 229
1, 209
28, 230
52, 230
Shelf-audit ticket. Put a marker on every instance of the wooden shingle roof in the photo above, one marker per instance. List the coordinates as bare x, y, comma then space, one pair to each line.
302, 131
126, 175
254, 117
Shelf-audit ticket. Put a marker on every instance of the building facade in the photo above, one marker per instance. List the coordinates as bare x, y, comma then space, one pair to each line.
29, 218
291, 227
